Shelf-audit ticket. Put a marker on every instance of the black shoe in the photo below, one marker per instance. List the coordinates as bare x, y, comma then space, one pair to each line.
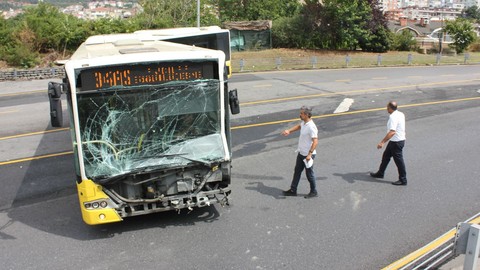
311, 195
399, 183
290, 192
376, 175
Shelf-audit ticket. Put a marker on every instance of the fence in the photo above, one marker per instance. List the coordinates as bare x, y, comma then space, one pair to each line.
347, 60
288, 63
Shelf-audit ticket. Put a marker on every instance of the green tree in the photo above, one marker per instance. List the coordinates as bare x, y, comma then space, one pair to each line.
73, 34
105, 26
251, 10
45, 22
166, 13
472, 12
343, 23
286, 33
378, 37
462, 33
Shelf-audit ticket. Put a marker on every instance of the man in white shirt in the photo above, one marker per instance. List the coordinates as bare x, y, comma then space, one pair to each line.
396, 141
307, 142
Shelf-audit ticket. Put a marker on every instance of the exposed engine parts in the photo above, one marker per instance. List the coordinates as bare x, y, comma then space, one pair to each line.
170, 190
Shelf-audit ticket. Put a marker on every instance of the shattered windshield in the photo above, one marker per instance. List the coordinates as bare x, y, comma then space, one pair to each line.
174, 124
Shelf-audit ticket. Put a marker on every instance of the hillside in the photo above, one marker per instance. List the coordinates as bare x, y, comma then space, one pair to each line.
7, 5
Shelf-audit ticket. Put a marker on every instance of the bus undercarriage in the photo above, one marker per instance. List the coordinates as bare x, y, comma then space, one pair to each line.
171, 189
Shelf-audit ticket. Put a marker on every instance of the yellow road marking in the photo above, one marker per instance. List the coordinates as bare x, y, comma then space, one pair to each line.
5, 112
304, 82
23, 93
429, 247
268, 123
379, 78
356, 112
34, 158
413, 87
347, 80
33, 133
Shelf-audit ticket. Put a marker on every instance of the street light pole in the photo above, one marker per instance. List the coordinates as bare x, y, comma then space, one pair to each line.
198, 13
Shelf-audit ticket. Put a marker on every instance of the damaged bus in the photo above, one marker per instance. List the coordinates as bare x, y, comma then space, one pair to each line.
150, 125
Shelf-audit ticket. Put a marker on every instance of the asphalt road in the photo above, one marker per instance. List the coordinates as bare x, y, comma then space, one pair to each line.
356, 222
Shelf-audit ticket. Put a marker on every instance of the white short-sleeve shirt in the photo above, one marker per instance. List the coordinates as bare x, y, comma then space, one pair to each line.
396, 122
308, 131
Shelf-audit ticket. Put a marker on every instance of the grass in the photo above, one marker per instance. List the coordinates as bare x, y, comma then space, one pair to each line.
288, 59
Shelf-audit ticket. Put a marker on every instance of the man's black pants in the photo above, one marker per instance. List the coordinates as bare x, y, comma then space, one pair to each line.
395, 150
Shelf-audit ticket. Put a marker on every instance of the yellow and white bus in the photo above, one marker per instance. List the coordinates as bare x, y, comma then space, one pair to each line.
211, 37
150, 125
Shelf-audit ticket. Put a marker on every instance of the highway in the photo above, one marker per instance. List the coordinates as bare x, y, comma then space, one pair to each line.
357, 222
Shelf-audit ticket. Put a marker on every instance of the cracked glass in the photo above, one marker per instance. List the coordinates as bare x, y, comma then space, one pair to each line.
168, 125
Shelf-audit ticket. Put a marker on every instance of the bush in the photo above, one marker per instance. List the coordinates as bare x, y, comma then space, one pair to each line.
404, 41
20, 56
475, 47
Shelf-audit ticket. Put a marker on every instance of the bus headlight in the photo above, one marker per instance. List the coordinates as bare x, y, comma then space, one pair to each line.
96, 204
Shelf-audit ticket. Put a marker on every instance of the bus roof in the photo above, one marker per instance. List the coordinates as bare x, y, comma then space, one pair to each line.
181, 32
156, 34
122, 44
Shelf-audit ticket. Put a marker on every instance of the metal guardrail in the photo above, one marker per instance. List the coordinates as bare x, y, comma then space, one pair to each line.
321, 61
438, 252
350, 60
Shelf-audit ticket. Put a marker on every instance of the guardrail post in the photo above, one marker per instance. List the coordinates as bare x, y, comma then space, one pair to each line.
15, 74
467, 241
467, 56
379, 60
242, 64
439, 56
347, 60
409, 59
473, 247
278, 62
314, 61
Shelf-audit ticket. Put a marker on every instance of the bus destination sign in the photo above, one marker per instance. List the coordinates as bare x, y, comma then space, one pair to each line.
145, 74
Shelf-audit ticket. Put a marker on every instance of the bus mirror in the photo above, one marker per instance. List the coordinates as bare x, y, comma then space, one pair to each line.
55, 91
234, 102
56, 113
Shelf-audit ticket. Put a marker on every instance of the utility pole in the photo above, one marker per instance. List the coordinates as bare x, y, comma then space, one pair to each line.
198, 13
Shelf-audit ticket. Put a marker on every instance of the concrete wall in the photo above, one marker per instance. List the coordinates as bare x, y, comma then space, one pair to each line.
32, 74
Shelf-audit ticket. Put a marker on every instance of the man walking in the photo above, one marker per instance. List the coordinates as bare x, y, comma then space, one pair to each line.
307, 142
396, 141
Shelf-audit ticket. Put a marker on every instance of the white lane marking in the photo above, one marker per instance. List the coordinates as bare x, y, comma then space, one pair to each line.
478, 91
344, 106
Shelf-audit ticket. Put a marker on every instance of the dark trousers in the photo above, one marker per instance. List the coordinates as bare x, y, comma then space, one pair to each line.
395, 150
299, 167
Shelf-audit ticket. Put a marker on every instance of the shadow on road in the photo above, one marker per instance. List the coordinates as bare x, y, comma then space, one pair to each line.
360, 176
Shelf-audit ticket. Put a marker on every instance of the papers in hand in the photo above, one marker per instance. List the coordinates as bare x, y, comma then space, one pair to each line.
309, 163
